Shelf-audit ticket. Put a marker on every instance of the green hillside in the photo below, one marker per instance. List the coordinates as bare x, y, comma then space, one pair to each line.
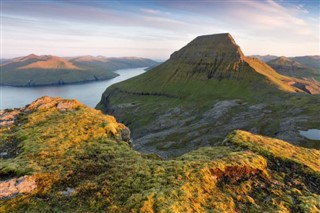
33, 70
207, 89
65, 157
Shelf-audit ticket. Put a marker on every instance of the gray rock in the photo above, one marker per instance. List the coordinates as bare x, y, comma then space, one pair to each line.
2, 154
257, 107
288, 128
68, 192
125, 134
220, 109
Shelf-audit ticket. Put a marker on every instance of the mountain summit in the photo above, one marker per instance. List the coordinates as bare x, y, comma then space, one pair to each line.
215, 46
211, 56
205, 90
211, 59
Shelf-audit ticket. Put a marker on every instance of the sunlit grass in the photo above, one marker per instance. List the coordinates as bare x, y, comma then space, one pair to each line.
81, 149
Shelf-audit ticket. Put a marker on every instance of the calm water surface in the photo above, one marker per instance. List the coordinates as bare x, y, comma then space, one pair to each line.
87, 93
313, 134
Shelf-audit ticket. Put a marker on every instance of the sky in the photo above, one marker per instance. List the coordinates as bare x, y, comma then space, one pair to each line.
155, 29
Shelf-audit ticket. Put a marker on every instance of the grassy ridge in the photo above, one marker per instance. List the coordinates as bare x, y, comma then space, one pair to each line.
80, 148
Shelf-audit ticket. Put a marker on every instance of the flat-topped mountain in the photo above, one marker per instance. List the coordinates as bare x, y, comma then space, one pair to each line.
207, 89
34, 70
213, 57
206, 57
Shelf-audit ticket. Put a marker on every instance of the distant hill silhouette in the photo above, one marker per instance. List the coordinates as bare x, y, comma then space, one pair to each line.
34, 70
301, 67
264, 58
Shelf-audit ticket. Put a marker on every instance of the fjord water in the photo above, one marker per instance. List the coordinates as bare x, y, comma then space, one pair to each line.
87, 93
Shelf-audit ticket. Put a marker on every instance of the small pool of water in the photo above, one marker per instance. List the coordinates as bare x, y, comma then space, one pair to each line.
313, 134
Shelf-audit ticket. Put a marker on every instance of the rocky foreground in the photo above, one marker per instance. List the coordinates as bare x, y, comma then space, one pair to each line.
60, 156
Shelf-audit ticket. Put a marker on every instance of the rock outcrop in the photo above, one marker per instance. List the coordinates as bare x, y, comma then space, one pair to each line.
9, 116
16, 186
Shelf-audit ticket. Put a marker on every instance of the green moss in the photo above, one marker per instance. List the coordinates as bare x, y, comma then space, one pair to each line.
77, 149
278, 149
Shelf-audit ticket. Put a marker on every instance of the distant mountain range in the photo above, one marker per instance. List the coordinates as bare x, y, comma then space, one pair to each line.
34, 70
264, 58
306, 68
300, 66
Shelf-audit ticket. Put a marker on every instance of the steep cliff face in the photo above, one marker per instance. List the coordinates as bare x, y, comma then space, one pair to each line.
210, 56
59, 155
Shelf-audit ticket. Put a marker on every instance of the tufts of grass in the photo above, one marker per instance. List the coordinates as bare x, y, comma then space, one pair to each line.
79, 149
306, 158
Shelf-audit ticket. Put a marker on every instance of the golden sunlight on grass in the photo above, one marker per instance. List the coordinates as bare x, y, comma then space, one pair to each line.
80, 163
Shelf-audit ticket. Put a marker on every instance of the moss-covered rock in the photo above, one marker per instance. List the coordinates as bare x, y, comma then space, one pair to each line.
80, 164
